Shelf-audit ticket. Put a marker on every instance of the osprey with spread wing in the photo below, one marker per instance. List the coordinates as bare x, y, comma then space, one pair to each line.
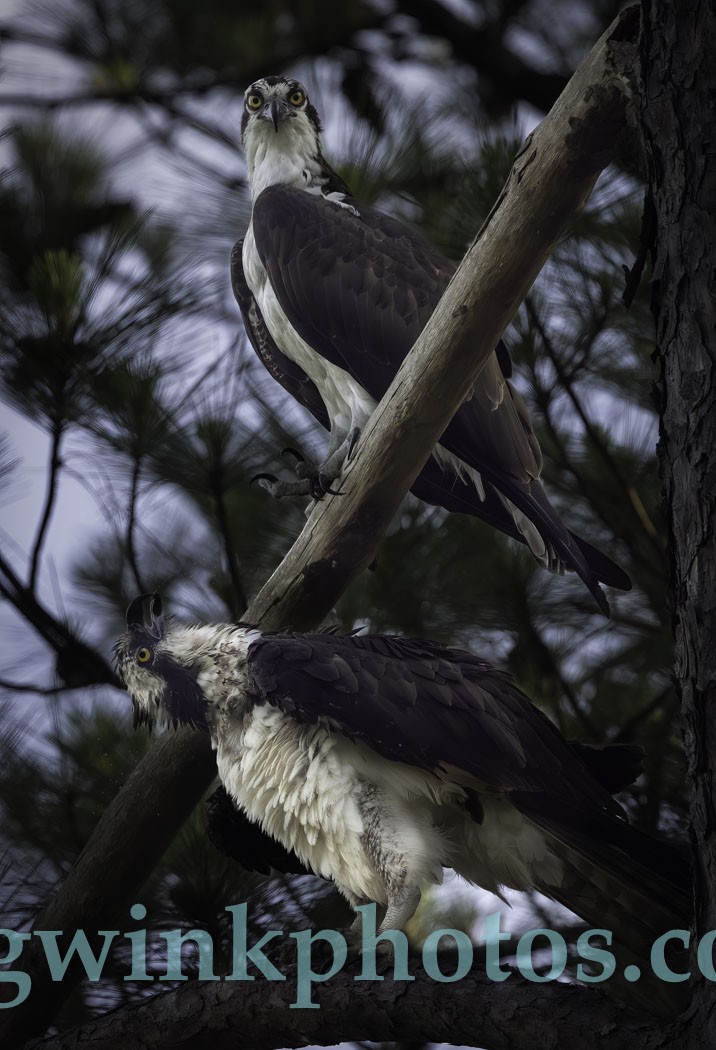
335, 293
377, 761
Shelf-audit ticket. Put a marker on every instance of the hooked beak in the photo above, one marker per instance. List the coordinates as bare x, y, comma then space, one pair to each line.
146, 612
276, 111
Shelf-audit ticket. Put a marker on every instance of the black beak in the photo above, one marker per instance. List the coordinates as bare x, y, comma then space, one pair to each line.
146, 612
277, 111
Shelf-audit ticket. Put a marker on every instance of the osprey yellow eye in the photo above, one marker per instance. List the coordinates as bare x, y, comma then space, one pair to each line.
143, 655
296, 98
254, 101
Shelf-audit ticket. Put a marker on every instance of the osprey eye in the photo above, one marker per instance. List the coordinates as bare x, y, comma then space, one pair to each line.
296, 98
254, 101
143, 655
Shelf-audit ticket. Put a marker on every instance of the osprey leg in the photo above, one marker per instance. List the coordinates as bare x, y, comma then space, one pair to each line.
314, 481
389, 857
402, 905
339, 455
354, 933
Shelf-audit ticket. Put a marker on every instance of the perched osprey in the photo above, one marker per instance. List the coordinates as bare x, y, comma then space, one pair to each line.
334, 294
378, 761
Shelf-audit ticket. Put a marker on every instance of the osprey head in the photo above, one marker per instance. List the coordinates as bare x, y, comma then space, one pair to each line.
280, 132
159, 668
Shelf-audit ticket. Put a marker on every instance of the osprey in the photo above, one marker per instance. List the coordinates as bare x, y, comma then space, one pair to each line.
377, 761
334, 294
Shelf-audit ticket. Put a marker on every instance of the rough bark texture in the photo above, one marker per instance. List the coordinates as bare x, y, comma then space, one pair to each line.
679, 120
514, 1015
551, 180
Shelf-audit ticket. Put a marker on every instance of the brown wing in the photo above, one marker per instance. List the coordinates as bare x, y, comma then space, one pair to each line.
359, 287
424, 704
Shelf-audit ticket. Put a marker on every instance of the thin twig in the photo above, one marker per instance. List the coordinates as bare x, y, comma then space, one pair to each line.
51, 495
628, 728
76, 654
632, 498
239, 601
131, 522
25, 687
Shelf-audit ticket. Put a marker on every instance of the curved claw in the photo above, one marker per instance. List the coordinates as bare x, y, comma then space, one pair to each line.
271, 478
288, 451
323, 484
317, 490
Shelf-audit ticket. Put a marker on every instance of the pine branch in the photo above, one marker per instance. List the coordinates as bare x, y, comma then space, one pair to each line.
77, 663
632, 499
627, 730
131, 523
50, 497
483, 48
238, 595
551, 178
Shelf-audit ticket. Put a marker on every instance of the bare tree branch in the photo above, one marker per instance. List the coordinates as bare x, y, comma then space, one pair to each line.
77, 663
633, 501
514, 1015
551, 179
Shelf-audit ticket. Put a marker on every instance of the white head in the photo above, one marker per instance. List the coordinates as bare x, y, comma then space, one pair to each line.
174, 673
280, 132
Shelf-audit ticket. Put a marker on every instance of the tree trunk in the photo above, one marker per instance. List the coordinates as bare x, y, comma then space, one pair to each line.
679, 73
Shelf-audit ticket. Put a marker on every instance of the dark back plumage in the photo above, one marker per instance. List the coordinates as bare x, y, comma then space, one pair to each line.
424, 703
446, 710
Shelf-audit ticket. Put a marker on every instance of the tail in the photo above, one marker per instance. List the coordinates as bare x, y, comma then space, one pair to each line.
619, 879
526, 514
602, 566
614, 766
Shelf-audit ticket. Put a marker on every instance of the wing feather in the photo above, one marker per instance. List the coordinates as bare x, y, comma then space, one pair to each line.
359, 288
292, 378
424, 703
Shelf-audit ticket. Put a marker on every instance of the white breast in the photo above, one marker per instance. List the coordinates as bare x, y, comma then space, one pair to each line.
292, 782
302, 785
